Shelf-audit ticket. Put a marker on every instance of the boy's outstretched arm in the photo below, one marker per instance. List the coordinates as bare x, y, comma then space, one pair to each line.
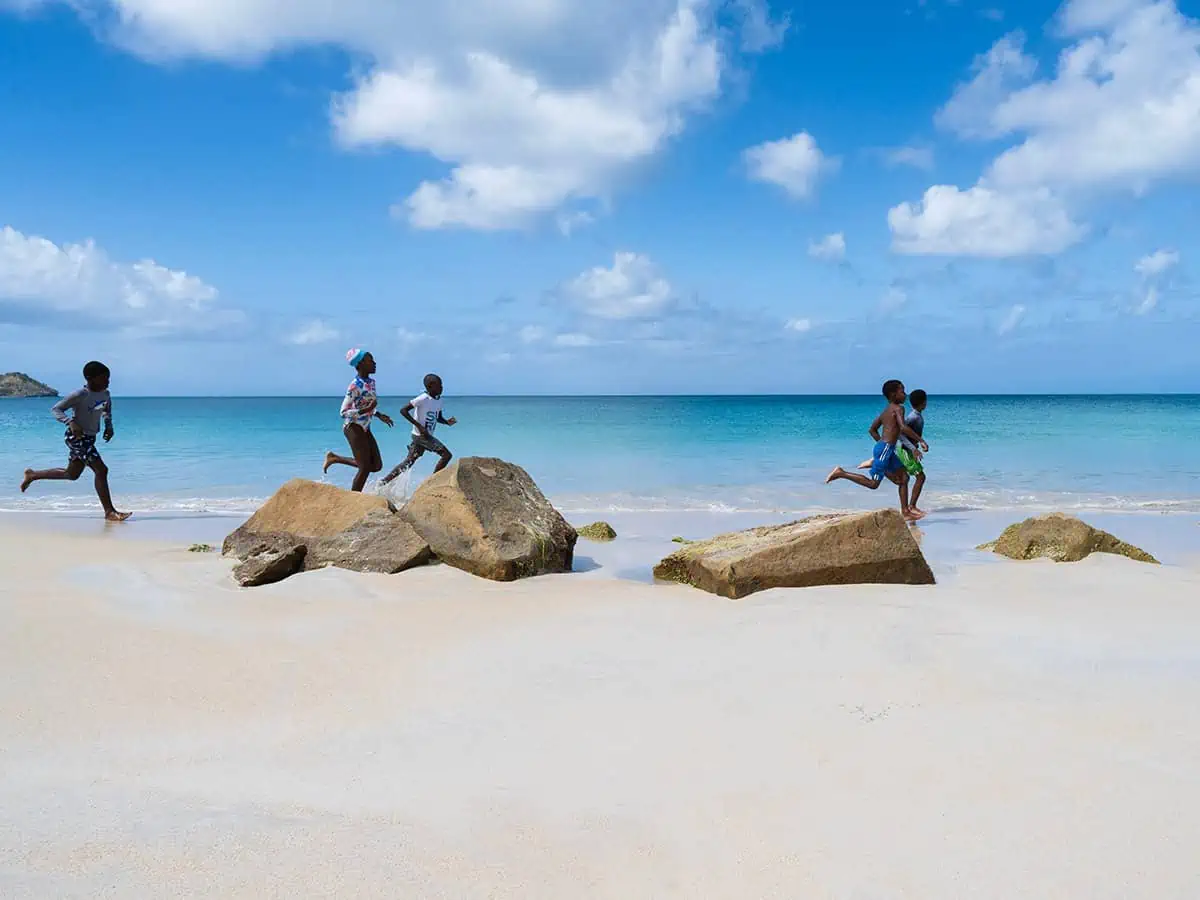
407, 414
913, 436
108, 423
875, 426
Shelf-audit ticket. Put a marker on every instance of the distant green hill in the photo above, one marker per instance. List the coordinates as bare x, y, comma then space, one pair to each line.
18, 384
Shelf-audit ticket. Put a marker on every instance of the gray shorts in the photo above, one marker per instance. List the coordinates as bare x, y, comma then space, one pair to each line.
420, 444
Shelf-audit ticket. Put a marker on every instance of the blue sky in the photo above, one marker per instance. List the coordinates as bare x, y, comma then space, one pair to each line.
554, 196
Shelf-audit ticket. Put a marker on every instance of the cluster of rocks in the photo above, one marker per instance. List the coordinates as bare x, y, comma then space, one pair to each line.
488, 517
484, 516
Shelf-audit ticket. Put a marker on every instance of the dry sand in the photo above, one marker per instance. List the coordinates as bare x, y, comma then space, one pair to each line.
1022, 730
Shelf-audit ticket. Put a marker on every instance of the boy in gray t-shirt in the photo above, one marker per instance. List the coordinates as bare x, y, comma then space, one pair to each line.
87, 406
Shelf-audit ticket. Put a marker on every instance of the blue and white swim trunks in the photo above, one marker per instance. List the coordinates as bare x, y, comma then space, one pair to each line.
884, 461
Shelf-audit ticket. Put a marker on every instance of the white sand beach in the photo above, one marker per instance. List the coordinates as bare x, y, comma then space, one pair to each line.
1019, 730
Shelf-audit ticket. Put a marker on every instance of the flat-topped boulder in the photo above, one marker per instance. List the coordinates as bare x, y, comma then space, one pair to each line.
1061, 538
853, 548
336, 527
488, 517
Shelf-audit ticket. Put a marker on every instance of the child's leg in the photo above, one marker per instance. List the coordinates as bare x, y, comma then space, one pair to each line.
414, 453
376, 462
71, 473
364, 451
918, 486
444, 457
110, 512
863, 480
332, 459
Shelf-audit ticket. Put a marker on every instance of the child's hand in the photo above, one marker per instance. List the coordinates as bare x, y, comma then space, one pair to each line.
924, 447
385, 419
108, 433
452, 421
75, 428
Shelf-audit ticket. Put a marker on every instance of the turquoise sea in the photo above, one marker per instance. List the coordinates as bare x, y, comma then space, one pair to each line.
638, 454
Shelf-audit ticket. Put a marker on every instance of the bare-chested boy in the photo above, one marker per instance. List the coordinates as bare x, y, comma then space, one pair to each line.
886, 430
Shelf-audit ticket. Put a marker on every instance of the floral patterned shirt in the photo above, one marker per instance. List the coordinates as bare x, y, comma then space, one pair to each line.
359, 406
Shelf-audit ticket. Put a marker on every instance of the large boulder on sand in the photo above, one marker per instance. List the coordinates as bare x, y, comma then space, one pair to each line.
487, 517
854, 548
339, 528
1061, 538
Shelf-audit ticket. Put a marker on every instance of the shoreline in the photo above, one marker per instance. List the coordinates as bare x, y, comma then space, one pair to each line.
948, 538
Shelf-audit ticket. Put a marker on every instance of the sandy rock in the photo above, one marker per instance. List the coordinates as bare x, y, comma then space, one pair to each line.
1061, 538
268, 564
488, 517
598, 531
340, 528
856, 548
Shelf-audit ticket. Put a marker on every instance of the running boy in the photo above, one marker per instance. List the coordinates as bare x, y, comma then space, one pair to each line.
908, 453
87, 406
886, 430
358, 408
425, 414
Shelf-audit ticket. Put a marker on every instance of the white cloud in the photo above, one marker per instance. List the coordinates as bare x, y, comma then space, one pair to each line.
408, 339
831, 248
800, 326
893, 298
916, 157
1156, 263
570, 222
1148, 303
533, 105
982, 221
1120, 112
631, 288
531, 334
77, 284
573, 339
794, 164
313, 331
1012, 320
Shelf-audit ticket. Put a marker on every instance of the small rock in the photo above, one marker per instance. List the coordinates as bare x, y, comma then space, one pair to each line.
269, 565
597, 531
201, 548
679, 540
1061, 538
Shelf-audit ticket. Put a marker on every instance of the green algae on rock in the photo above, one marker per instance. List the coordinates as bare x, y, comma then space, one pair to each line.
1061, 538
597, 531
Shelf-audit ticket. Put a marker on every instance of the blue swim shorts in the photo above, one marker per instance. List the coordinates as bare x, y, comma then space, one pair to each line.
884, 461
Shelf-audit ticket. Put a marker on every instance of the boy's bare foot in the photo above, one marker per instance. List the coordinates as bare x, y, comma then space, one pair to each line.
866, 463
919, 512
114, 516
329, 461
834, 475
28, 480
914, 515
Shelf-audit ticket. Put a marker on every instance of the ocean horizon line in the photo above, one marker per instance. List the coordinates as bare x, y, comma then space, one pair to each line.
1049, 395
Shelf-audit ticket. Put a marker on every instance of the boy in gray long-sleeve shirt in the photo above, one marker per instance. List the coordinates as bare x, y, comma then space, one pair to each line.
87, 407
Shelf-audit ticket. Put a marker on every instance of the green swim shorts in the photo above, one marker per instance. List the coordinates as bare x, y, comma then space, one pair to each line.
912, 465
